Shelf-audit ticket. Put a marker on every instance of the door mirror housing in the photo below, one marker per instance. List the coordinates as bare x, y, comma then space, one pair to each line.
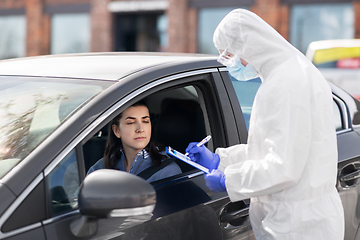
108, 193
113, 193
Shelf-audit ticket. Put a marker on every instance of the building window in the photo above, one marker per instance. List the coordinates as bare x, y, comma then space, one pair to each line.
313, 22
141, 31
12, 37
208, 20
70, 33
162, 27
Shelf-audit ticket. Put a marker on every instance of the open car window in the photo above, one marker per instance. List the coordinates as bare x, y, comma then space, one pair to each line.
177, 119
181, 111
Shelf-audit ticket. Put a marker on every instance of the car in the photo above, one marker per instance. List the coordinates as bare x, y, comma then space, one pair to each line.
339, 61
54, 116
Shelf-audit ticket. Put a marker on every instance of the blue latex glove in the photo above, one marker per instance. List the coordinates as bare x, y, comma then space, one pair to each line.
203, 156
215, 181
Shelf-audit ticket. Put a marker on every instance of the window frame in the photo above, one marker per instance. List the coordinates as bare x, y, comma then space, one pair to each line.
17, 203
236, 107
194, 78
78, 8
49, 205
199, 79
16, 13
344, 114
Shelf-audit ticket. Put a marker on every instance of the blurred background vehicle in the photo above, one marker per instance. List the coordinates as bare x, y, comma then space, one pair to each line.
339, 62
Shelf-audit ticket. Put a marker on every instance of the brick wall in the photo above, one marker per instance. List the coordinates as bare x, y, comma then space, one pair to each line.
178, 26
182, 30
101, 27
183, 22
9, 4
61, 2
192, 30
356, 5
274, 13
35, 23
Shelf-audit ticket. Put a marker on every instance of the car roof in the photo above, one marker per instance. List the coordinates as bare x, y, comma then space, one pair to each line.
105, 66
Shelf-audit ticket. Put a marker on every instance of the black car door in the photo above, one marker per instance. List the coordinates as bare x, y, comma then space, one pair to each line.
185, 207
348, 183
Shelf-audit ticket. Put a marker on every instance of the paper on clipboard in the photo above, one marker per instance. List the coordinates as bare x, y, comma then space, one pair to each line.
186, 159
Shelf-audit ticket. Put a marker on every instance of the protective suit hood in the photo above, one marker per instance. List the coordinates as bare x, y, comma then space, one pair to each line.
246, 35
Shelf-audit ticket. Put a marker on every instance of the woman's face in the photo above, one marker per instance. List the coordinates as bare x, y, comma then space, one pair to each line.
134, 128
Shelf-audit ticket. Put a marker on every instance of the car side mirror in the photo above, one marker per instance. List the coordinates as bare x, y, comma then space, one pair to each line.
110, 193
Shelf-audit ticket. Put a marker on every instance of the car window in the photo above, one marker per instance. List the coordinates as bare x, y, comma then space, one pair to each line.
337, 116
179, 115
245, 92
30, 109
169, 109
63, 183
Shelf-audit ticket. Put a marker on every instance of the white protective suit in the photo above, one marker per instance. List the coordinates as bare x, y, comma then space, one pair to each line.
289, 166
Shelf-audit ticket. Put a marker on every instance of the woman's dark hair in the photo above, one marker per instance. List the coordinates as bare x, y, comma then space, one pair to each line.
113, 144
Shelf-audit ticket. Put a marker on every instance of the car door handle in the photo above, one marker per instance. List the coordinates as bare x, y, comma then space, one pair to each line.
235, 214
350, 176
230, 216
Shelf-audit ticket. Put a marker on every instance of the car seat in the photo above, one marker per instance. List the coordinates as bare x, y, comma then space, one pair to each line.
94, 148
181, 121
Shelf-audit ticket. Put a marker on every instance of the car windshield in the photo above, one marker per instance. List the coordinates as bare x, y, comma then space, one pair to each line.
31, 108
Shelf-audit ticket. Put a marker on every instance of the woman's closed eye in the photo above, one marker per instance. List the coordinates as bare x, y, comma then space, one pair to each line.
146, 120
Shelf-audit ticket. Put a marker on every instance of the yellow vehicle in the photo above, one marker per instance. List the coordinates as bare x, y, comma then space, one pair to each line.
339, 62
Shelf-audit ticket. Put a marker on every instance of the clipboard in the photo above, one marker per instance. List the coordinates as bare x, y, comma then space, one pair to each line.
182, 157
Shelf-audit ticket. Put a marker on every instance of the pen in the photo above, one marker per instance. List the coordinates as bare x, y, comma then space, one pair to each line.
205, 140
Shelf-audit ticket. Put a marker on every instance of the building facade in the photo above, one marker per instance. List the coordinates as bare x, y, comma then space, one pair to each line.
40, 27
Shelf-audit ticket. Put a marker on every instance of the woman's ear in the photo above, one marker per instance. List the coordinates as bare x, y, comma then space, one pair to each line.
116, 130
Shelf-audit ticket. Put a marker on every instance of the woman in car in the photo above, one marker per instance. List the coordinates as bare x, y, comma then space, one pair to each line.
129, 147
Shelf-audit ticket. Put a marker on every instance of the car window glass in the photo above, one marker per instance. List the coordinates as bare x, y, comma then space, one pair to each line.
177, 119
30, 109
63, 182
337, 116
245, 92
355, 112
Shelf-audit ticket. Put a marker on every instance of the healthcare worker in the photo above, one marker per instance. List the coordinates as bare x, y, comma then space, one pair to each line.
289, 165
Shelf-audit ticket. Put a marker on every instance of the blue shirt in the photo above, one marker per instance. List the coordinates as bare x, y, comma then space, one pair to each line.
141, 162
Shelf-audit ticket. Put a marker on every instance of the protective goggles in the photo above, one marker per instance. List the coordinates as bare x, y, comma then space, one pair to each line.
226, 58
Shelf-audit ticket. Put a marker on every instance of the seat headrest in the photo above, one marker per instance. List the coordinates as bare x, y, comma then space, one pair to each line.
181, 121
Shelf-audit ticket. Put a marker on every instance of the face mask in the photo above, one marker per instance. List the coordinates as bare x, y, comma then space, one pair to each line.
240, 72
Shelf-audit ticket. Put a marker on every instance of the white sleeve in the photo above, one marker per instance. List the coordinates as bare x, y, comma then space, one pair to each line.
231, 155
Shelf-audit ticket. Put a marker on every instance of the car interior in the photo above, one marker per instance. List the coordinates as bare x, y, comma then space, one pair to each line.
177, 119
